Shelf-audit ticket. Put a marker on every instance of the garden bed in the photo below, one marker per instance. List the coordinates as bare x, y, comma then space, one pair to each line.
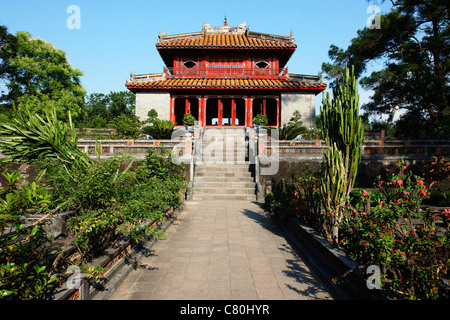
117, 261
329, 261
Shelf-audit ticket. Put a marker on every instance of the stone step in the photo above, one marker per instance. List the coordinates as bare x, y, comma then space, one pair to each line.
221, 168
225, 190
200, 196
222, 174
221, 184
223, 152
225, 162
232, 131
225, 159
222, 179
214, 150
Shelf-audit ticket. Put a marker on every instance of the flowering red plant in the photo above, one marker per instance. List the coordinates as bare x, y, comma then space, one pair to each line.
398, 236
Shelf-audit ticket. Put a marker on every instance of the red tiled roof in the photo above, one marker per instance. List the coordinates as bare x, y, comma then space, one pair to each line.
226, 84
223, 40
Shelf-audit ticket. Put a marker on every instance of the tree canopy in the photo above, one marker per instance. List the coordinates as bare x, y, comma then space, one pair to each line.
39, 76
414, 45
103, 108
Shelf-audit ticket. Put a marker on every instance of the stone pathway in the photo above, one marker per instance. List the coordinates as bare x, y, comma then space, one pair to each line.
222, 250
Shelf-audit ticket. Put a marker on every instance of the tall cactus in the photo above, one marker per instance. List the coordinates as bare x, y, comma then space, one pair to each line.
343, 131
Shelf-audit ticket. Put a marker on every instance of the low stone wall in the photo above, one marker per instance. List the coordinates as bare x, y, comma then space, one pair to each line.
136, 148
368, 169
372, 149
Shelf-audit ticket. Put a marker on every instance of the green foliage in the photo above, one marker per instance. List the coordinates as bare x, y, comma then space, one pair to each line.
300, 197
289, 132
110, 199
344, 135
188, 119
293, 128
114, 200
152, 115
260, 120
121, 103
127, 127
40, 77
399, 237
93, 187
101, 108
413, 42
23, 270
387, 227
161, 129
29, 138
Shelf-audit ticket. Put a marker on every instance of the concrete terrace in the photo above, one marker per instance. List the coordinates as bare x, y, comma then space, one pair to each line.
222, 250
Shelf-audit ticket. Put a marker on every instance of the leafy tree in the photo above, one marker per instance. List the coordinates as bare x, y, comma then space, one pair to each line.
39, 76
121, 103
6, 40
101, 108
413, 42
96, 104
152, 115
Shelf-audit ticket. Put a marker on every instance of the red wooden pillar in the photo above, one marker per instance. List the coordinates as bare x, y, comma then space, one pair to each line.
200, 111
264, 104
248, 112
278, 112
205, 106
233, 112
220, 113
172, 109
187, 106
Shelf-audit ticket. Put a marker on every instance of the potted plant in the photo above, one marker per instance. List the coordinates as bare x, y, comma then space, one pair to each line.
189, 121
260, 120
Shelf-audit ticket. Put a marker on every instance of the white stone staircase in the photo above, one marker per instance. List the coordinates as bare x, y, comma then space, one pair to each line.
222, 171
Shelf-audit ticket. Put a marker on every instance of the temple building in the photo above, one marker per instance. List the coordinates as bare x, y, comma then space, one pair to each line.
225, 76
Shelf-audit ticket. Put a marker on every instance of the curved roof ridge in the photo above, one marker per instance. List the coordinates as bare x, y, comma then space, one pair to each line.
225, 37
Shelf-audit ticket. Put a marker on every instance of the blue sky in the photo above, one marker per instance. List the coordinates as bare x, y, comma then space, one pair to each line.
118, 36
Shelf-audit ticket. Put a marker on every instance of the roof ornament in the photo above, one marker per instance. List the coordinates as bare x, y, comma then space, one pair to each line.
207, 28
290, 36
225, 28
162, 33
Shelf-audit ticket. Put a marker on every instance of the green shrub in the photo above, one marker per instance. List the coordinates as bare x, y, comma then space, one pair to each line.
24, 272
161, 129
260, 120
127, 127
188, 119
399, 237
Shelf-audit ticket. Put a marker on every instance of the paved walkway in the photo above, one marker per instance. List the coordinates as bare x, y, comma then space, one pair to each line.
222, 250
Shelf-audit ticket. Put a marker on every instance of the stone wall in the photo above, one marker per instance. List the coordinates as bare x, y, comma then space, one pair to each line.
303, 102
368, 170
158, 100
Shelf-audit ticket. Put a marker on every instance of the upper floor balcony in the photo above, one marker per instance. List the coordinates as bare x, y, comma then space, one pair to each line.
229, 71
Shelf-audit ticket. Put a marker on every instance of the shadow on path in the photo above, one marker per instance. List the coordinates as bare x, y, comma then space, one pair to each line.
300, 270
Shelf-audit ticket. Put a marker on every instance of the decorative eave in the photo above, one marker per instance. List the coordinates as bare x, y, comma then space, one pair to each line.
226, 84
